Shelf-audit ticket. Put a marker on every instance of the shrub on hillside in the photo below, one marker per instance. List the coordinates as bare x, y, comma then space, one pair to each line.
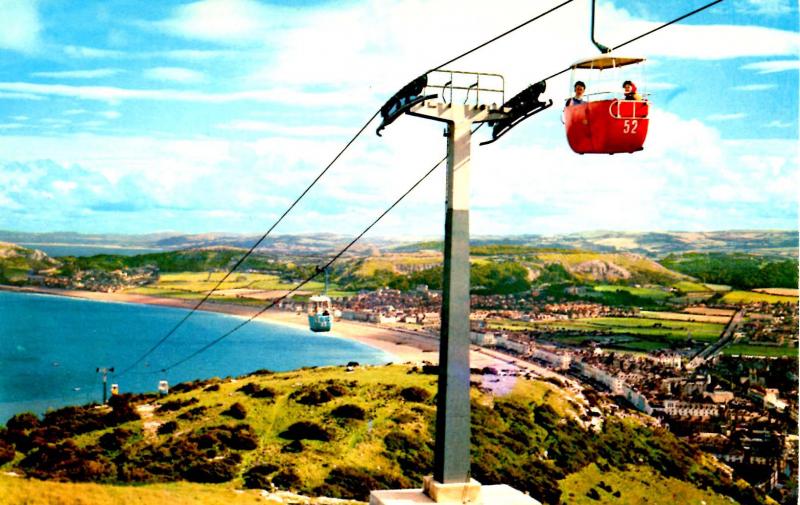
113, 441
257, 477
195, 413
317, 394
349, 411
253, 390
7, 452
67, 462
306, 430
121, 410
173, 405
236, 411
75, 420
286, 479
23, 421
356, 483
214, 471
167, 428
415, 394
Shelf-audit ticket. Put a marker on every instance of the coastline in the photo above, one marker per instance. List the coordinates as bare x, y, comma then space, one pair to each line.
402, 345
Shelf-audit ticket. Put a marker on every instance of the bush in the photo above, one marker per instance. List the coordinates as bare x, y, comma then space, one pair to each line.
415, 394
255, 391
213, 387
306, 430
194, 413
349, 411
356, 483
173, 405
286, 479
66, 461
236, 411
258, 476
167, 428
216, 471
7, 452
114, 440
317, 394
23, 421
122, 411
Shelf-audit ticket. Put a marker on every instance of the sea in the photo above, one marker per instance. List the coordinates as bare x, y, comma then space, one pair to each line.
52, 346
55, 250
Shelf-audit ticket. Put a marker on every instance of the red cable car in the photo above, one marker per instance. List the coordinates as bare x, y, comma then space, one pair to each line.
607, 126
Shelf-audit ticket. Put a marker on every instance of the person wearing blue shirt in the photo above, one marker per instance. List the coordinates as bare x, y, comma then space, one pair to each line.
580, 87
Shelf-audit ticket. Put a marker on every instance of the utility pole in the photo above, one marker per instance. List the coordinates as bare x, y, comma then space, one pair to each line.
105, 372
452, 447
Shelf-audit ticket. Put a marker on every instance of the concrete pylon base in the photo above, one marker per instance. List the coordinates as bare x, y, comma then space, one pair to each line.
471, 493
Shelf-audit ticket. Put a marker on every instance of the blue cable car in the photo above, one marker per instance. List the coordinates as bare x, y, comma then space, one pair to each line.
320, 315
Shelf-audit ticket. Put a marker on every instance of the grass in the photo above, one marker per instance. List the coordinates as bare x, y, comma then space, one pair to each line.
640, 326
195, 285
691, 287
753, 297
636, 485
653, 293
16, 490
760, 350
685, 316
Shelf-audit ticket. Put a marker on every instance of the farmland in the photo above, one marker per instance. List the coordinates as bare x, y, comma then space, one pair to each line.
735, 297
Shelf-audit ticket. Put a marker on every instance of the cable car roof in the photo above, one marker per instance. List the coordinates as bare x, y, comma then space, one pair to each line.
606, 61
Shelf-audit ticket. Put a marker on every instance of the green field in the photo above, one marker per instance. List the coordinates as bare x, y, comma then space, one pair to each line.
653, 293
640, 326
195, 285
760, 350
754, 297
635, 486
691, 287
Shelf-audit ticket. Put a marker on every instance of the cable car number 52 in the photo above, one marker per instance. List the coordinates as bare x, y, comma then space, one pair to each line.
630, 126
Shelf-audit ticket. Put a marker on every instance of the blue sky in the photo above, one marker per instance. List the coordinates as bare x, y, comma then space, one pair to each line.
199, 116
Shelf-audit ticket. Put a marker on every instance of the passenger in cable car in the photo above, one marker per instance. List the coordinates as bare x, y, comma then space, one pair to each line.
630, 91
580, 87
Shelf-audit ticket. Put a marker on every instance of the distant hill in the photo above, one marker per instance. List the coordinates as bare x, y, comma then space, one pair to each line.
650, 244
16, 262
338, 433
740, 270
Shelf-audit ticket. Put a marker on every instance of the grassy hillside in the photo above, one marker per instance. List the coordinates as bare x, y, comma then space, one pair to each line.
735, 269
16, 262
330, 432
18, 491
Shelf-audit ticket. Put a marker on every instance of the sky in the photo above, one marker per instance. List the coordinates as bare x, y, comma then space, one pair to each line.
122, 116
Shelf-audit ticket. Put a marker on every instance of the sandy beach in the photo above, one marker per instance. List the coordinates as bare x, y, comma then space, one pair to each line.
405, 346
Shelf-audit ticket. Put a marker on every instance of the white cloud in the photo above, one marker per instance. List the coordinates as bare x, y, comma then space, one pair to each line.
83, 52
726, 117
226, 21
20, 96
20, 118
174, 74
766, 7
109, 114
20, 26
11, 126
755, 87
776, 123
80, 74
693, 41
770, 67
115, 94
282, 129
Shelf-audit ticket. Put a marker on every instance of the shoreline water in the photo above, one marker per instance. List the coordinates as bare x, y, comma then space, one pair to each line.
403, 346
